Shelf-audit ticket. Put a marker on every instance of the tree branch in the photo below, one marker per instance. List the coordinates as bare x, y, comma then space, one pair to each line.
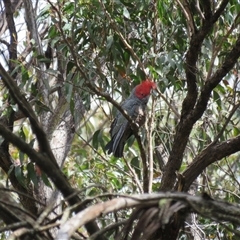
42, 79
13, 34
212, 82
219, 11
206, 4
212, 153
27, 201
27, 110
11, 211
52, 170
189, 114
213, 209
188, 15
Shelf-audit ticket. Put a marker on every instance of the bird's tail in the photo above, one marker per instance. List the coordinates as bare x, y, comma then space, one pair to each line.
116, 145
109, 147
118, 149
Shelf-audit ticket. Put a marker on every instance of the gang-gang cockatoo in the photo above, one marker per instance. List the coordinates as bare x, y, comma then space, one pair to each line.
135, 106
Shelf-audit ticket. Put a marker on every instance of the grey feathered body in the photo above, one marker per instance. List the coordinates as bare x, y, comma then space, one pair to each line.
120, 127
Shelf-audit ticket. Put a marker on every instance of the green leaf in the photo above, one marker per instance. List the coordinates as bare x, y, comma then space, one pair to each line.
126, 13
22, 134
70, 66
140, 73
68, 91
8, 174
46, 180
101, 140
95, 139
10, 169
18, 171
25, 75
69, 7
21, 157
130, 141
236, 131
109, 42
41, 107
52, 32
44, 12
217, 98
135, 163
32, 173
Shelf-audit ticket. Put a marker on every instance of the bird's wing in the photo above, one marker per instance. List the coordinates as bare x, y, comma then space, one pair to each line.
139, 116
121, 136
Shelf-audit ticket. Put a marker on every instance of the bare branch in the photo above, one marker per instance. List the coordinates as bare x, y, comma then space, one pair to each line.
171, 106
219, 11
206, 5
189, 114
14, 6
134, 176
13, 34
13, 212
34, 34
209, 208
234, 109
228, 64
149, 129
188, 15
212, 153
216, 49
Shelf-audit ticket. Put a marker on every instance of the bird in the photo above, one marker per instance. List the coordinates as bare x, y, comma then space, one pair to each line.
135, 106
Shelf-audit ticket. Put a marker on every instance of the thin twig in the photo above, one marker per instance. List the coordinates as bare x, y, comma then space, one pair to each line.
226, 122
232, 174
13, 226
109, 227
134, 175
169, 104
216, 49
189, 19
103, 158
150, 144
